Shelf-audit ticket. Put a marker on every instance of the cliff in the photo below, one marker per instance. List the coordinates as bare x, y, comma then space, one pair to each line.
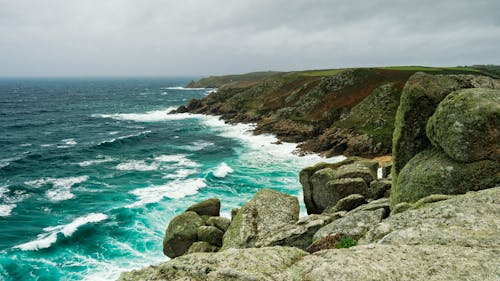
339, 111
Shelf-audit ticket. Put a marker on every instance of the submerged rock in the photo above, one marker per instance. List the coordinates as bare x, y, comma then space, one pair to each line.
266, 212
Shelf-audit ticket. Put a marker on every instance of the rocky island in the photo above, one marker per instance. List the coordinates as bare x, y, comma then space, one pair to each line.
433, 213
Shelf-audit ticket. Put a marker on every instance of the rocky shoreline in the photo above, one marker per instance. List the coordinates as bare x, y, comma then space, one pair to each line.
434, 214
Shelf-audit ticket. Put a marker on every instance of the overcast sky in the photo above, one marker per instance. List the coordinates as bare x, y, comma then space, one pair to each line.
201, 37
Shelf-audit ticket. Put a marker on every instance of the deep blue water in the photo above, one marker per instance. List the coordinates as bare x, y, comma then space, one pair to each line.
92, 170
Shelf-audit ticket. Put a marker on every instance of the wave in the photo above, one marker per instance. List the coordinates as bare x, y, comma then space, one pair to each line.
137, 165
180, 88
100, 160
222, 170
178, 159
124, 138
150, 116
180, 174
198, 145
176, 189
5, 210
45, 240
61, 187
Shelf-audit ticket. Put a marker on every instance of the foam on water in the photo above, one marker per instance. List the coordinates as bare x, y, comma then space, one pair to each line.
45, 240
178, 160
137, 165
61, 187
5, 210
198, 145
100, 160
222, 170
185, 89
123, 137
150, 116
174, 190
180, 174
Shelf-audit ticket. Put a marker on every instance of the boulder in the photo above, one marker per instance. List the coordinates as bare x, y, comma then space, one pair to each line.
209, 207
433, 172
181, 233
380, 188
210, 234
266, 212
234, 212
466, 125
352, 225
314, 182
386, 170
202, 247
347, 203
300, 234
219, 222
382, 203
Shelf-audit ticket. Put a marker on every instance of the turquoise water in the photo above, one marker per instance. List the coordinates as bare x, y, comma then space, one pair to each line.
92, 170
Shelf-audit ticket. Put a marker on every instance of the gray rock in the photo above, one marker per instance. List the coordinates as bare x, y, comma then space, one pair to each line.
386, 170
234, 212
181, 233
299, 234
268, 211
210, 234
380, 188
209, 207
352, 225
347, 203
202, 247
466, 125
252, 264
219, 222
382, 203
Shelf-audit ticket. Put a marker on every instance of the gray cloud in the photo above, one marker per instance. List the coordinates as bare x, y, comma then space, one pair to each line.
199, 37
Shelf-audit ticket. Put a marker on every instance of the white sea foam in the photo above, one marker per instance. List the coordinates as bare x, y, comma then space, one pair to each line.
25, 144
61, 187
178, 160
222, 170
48, 238
137, 165
150, 116
125, 137
5, 210
69, 141
180, 174
175, 190
198, 145
104, 159
47, 145
185, 89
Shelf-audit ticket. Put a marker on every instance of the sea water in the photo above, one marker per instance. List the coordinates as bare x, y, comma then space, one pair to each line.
92, 171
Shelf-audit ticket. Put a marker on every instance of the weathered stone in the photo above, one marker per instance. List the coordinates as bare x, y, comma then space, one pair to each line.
352, 225
219, 222
297, 235
314, 179
234, 212
380, 188
466, 125
210, 234
401, 207
233, 264
433, 172
386, 170
382, 203
347, 203
181, 233
202, 247
266, 212
327, 242
209, 207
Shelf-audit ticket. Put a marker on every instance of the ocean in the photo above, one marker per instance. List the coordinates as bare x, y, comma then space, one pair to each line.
92, 171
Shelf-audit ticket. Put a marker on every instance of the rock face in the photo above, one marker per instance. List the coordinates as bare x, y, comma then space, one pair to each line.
266, 212
324, 184
437, 113
181, 233
466, 125
199, 229
433, 172
455, 239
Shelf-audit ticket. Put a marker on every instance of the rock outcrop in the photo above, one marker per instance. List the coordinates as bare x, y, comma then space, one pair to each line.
454, 239
446, 138
199, 229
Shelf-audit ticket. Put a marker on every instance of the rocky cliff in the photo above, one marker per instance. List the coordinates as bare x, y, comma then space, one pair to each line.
434, 214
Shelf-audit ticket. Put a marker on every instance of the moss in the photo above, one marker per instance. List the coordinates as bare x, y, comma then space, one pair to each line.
433, 172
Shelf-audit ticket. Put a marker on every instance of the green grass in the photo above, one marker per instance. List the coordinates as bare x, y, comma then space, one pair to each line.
411, 68
321, 72
346, 242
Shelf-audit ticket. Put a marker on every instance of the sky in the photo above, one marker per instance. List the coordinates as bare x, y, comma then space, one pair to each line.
212, 37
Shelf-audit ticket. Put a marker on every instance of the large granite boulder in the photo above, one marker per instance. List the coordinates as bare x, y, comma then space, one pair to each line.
209, 207
433, 172
210, 234
181, 233
266, 212
466, 125
324, 184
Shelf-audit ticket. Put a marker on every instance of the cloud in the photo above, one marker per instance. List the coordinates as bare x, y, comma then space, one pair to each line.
162, 38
